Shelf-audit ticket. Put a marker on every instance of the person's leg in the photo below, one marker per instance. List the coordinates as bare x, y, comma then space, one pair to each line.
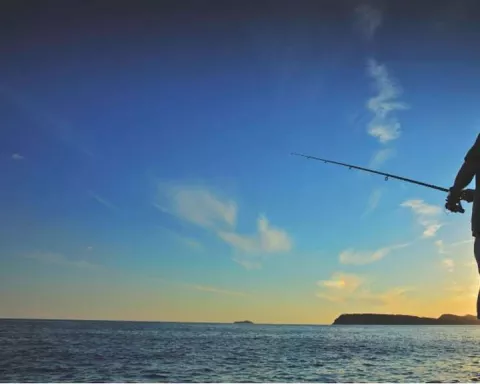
475, 226
476, 251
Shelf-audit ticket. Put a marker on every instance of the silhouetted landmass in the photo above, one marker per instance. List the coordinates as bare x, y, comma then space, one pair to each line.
382, 319
243, 322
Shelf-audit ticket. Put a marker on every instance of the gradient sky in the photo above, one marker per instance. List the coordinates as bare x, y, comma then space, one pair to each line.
146, 170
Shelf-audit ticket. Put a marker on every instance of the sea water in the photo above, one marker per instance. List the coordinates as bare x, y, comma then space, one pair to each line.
96, 351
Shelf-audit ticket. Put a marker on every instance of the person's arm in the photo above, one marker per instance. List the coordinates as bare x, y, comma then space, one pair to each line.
465, 175
469, 167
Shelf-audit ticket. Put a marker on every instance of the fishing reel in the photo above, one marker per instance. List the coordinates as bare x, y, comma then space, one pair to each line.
455, 207
454, 200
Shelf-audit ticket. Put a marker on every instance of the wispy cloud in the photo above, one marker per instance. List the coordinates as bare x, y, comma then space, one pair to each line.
441, 247
268, 239
351, 256
250, 250
349, 289
388, 90
421, 208
59, 259
217, 290
463, 242
248, 263
197, 205
427, 216
368, 20
187, 241
203, 207
193, 286
447, 249
431, 228
102, 201
449, 264
373, 201
384, 126
17, 156
381, 156
342, 281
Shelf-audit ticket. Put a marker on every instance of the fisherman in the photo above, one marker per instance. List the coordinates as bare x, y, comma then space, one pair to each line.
469, 169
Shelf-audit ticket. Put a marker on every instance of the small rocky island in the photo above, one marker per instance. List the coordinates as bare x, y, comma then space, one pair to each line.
243, 322
384, 319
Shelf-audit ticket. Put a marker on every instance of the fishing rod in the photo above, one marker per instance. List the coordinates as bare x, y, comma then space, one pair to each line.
387, 176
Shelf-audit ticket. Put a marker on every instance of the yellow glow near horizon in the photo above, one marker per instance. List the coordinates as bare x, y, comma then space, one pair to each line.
204, 306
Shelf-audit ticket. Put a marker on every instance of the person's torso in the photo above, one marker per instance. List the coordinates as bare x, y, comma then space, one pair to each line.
476, 199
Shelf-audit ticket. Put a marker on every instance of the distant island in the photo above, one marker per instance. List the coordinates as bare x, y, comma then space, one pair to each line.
384, 319
243, 322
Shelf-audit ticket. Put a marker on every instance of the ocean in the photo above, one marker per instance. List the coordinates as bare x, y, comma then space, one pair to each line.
107, 351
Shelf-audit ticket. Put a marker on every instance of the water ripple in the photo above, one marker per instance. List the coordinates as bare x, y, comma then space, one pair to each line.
66, 351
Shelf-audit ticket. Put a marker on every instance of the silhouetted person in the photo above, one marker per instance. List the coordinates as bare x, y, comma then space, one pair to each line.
469, 169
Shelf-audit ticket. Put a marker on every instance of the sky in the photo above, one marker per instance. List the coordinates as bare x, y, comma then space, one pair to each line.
146, 168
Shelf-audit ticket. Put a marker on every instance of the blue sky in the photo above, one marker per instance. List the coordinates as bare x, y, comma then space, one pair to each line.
146, 168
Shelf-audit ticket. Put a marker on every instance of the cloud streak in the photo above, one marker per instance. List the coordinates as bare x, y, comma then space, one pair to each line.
426, 214
197, 287
17, 157
351, 289
449, 264
204, 208
452, 249
249, 263
381, 156
220, 291
373, 200
187, 241
351, 256
346, 282
250, 250
441, 247
268, 239
198, 205
102, 201
463, 242
383, 126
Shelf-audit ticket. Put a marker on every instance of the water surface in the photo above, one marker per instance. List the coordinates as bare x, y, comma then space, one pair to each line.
95, 351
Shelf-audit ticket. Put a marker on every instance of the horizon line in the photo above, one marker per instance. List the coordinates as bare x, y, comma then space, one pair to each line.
156, 321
